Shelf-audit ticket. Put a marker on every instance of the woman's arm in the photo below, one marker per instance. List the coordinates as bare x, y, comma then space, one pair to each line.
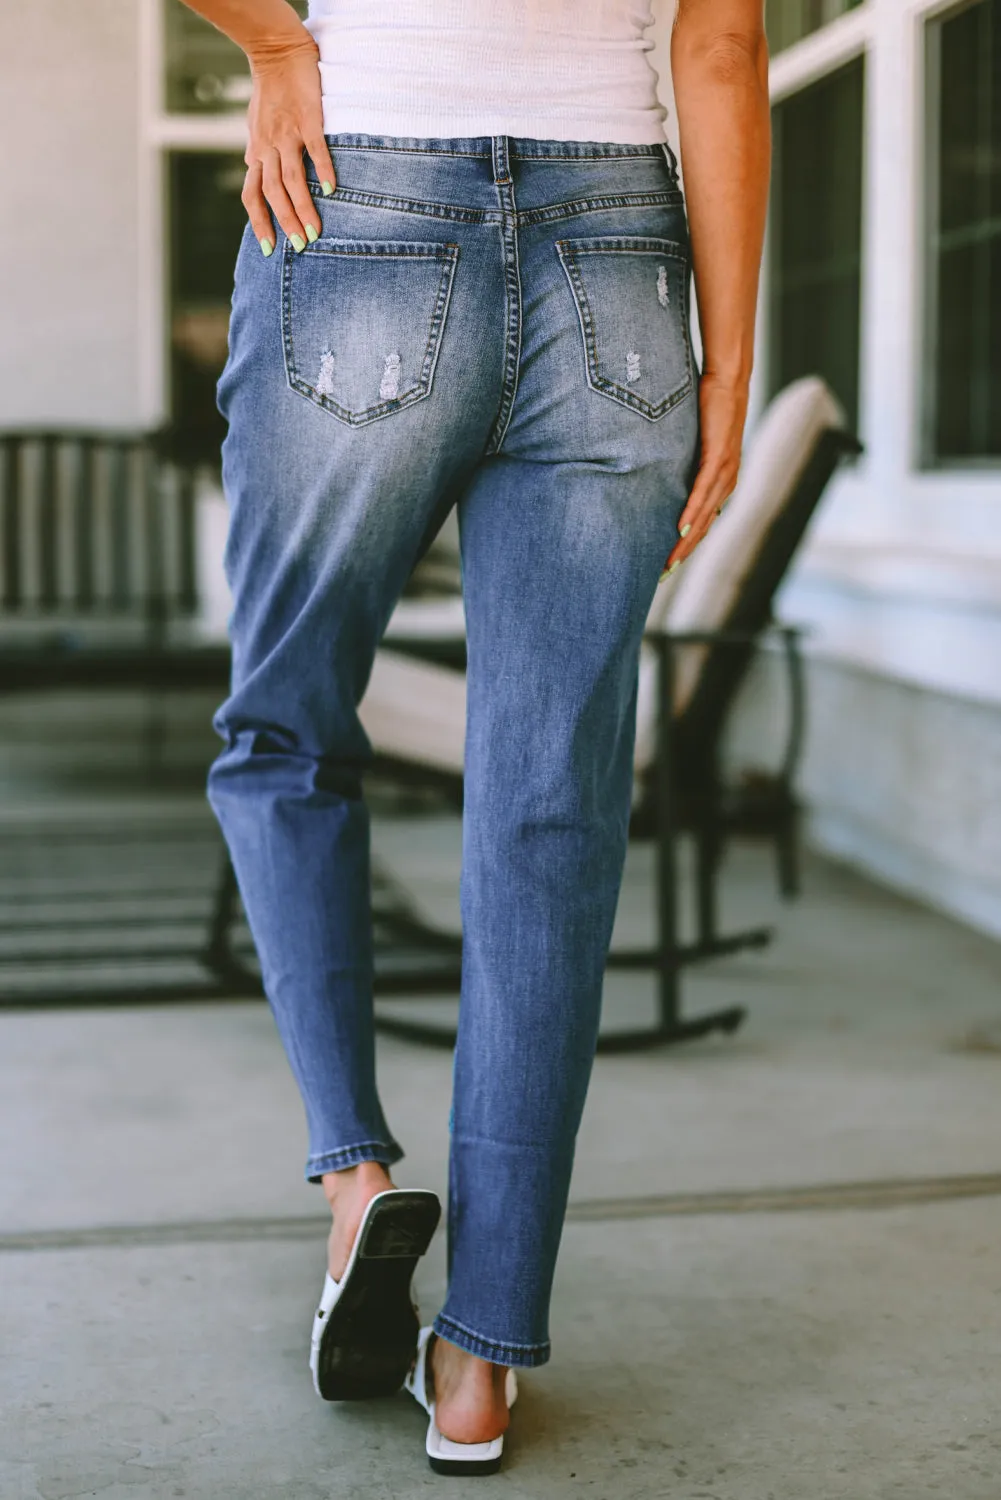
285, 115
719, 61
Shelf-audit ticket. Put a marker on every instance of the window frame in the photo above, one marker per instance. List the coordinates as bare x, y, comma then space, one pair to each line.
794, 69
860, 56
824, 25
928, 80
161, 133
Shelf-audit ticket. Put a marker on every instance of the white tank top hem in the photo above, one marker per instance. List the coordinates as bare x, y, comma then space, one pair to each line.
560, 70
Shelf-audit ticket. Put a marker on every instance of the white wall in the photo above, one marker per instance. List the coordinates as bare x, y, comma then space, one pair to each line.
899, 580
903, 569
69, 292
900, 781
901, 577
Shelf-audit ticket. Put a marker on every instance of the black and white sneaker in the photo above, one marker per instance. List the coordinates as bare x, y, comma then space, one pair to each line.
365, 1328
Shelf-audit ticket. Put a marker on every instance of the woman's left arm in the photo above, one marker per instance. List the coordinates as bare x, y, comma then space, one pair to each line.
719, 63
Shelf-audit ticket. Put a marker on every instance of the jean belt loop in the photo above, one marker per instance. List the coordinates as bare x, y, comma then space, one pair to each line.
672, 161
501, 158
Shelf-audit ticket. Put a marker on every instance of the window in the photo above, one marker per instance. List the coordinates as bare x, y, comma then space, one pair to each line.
816, 235
206, 221
789, 21
205, 74
205, 71
963, 372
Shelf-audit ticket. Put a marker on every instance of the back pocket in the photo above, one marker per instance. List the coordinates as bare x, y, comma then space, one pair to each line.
362, 323
632, 301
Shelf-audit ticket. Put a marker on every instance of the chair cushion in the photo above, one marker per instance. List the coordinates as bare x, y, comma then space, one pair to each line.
416, 712
708, 585
436, 618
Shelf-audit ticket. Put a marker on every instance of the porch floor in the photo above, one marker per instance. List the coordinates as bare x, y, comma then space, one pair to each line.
780, 1277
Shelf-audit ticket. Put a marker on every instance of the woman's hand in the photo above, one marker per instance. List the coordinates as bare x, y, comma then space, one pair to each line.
722, 412
285, 116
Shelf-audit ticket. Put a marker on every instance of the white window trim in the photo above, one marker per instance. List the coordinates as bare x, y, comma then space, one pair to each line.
903, 573
160, 132
821, 52
150, 227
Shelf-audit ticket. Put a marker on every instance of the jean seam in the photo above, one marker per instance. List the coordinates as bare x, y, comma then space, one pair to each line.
549, 213
395, 145
360, 141
423, 208
574, 208
513, 321
523, 147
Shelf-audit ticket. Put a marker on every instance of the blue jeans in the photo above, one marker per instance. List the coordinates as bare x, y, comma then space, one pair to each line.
499, 325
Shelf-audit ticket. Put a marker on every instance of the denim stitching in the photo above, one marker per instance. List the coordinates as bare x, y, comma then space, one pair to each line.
621, 153
411, 206
448, 255
340, 1151
569, 251
512, 291
345, 1156
572, 209
520, 148
493, 1344
668, 198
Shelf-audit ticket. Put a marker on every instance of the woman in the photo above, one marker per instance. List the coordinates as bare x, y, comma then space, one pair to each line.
465, 282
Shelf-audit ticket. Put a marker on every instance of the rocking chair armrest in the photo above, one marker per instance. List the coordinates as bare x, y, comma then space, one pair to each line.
724, 637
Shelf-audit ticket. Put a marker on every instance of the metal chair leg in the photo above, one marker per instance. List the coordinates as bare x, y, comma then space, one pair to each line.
708, 849
787, 854
671, 1026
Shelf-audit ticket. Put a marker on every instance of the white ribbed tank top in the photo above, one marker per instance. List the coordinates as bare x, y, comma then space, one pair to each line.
565, 70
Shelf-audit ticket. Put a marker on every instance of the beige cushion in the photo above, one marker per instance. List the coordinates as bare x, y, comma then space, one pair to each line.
442, 617
415, 711
705, 589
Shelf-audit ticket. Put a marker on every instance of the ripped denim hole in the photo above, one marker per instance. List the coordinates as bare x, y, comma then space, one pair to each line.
632, 366
325, 379
390, 387
663, 290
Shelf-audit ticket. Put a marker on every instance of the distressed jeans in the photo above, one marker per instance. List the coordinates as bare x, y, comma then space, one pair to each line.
500, 325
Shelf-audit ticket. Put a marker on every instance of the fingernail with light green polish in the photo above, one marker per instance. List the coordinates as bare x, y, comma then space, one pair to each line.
676, 564
685, 530
297, 242
266, 248
312, 233
328, 188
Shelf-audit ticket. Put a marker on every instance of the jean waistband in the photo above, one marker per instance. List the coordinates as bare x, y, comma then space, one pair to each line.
516, 148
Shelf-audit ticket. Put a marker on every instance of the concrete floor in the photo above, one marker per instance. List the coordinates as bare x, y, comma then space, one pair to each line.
717, 1335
